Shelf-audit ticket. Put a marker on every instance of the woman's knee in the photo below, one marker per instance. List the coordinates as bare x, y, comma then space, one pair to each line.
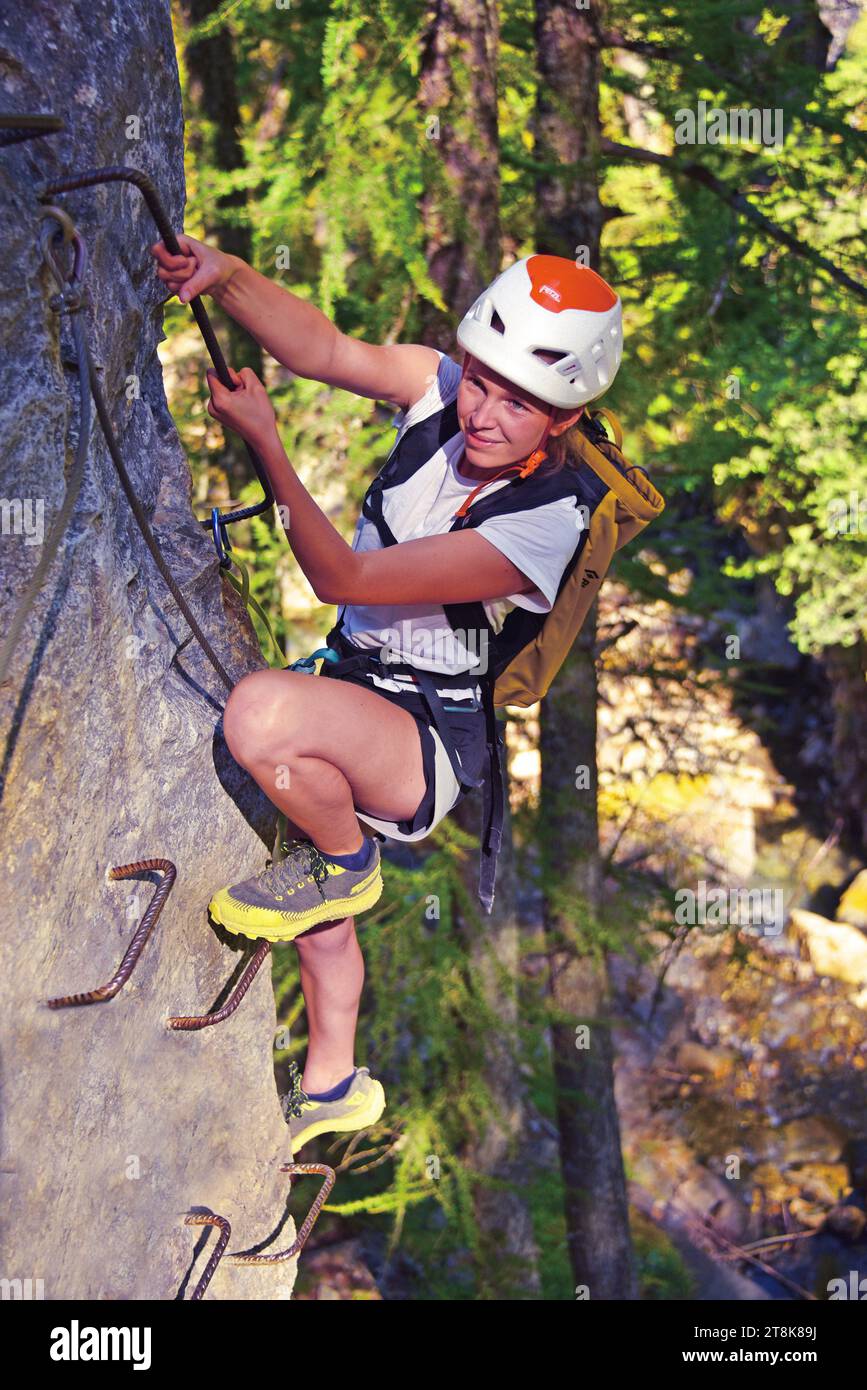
326, 939
258, 710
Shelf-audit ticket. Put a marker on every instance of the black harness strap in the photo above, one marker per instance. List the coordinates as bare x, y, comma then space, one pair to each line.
493, 803
352, 658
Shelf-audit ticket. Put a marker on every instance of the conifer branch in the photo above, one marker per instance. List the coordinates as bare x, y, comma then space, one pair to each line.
700, 174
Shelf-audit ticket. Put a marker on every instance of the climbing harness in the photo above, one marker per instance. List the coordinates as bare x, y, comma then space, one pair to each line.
342, 657
350, 658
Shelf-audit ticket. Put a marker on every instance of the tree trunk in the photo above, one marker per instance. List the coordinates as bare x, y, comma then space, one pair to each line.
566, 128
458, 95
847, 670
115, 1125
510, 1255
461, 207
212, 89
570, 217
597, 1215
805, 37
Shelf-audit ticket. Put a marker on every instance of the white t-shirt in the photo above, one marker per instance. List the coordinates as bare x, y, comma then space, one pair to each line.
540, 542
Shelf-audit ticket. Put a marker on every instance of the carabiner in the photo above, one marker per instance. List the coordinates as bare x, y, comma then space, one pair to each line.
221, 538
306, 664
71, 292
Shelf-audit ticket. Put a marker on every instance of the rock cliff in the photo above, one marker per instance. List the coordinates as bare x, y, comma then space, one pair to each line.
115, 1126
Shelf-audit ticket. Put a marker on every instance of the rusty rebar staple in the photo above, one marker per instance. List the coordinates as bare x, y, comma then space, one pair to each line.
192, 1024
209, 1219
124, 174
24, 125
143, 931
296, 1169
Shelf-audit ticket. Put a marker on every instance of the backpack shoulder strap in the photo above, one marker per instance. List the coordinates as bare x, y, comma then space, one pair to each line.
518, 495
618, 501
414, 449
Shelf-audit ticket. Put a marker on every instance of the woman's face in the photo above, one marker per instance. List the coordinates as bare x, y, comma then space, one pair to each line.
501, 422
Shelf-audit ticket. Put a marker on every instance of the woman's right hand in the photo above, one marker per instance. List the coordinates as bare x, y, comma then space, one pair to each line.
201, 268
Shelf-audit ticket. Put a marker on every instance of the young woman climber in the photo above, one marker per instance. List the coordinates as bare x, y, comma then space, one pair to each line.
403, 725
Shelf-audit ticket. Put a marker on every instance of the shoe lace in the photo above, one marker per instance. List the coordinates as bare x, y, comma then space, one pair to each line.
297, 1095
301, 857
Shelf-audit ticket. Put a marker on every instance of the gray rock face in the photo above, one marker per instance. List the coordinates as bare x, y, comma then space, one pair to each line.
113, 1126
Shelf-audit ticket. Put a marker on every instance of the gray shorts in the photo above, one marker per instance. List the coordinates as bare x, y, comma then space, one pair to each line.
468, 731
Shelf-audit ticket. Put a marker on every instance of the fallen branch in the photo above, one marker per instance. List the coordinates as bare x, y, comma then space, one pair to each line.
771, 1240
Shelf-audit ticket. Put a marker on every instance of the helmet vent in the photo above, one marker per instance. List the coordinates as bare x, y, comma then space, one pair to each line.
497, 323
551, 355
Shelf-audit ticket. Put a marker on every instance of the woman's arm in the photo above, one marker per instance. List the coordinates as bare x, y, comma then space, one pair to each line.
455, 568
293, 331
300, 336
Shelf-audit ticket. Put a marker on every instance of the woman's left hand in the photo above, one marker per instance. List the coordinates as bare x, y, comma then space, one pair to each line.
247, 410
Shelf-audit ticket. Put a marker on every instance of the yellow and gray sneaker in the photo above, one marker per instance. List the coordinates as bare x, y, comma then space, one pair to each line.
360, 1102
300, 891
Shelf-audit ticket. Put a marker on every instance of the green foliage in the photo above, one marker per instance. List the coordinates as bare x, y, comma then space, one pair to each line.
804, 470
662, 1274
762, 409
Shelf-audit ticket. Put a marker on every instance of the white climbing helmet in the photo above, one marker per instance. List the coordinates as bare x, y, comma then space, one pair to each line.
548, 303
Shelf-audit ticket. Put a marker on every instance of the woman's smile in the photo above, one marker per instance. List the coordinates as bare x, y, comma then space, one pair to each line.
479, 441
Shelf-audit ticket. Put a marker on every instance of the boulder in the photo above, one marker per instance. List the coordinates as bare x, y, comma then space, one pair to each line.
847, 1222
836, 949
853, 904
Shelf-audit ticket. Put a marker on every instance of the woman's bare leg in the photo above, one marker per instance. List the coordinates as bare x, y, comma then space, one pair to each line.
319, 747
286, 739
332, 976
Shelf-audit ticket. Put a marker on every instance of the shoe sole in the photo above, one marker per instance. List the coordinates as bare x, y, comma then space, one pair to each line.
333, 910
359, 1119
